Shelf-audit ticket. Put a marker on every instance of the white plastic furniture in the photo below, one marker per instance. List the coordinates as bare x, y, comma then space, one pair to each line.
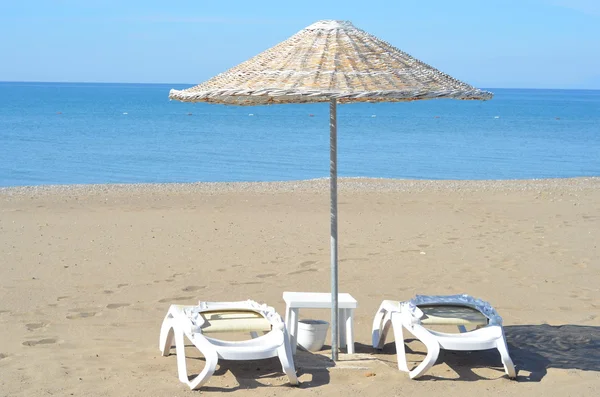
459, 310
295, 301
195, 322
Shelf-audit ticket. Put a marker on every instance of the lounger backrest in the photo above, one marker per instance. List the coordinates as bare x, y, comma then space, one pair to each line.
451, 315
234, 321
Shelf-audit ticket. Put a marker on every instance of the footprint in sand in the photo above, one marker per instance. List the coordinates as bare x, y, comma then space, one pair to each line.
4, 311
2, 355
80, 313
303, 271
33, 326
107, 291
175, 299
122, 285
48, 341
246, 283
307, 263
116, 305
62, 297
192, 288
266, 275
591, 317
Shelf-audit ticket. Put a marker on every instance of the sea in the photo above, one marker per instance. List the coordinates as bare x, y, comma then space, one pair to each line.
88, 133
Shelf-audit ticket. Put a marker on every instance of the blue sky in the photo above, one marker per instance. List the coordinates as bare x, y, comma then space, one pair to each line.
488, 43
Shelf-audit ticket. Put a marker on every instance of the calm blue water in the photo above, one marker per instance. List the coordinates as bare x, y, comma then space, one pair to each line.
53, 133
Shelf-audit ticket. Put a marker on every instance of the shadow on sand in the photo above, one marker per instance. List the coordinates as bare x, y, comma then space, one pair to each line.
533, 348
261, 373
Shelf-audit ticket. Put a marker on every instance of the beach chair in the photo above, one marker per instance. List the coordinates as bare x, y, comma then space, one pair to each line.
458, 310
197, 322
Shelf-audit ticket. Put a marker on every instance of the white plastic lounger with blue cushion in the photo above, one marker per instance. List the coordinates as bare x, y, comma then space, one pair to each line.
460, 310
195, 322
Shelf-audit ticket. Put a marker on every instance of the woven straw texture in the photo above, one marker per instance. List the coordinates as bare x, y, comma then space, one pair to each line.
329, 59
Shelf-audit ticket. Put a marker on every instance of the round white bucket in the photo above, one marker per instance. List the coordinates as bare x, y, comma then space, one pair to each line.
311, 334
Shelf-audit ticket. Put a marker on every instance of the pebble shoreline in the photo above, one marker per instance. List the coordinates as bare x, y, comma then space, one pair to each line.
314, 185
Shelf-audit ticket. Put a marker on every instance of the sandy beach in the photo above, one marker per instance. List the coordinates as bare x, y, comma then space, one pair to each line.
88, 272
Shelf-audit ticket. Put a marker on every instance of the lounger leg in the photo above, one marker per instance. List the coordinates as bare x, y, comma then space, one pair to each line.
509, 367
433, 351
399, 337
254, 334
462, 329
210, 355
284, 352
385, 328
211, 359
180, 349
165, 341
381, 326
207, 372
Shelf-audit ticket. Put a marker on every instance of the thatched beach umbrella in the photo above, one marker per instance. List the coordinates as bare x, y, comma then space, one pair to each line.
329, 61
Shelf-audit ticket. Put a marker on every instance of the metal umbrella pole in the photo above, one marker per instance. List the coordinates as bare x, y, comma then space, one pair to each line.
334, 232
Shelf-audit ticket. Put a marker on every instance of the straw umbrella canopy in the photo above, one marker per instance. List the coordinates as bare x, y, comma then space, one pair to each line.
335, 62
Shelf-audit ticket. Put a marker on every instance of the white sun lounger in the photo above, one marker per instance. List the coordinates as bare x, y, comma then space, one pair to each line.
459, 310
195, 322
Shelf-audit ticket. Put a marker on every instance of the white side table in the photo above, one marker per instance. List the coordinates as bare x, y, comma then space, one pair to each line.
295, 301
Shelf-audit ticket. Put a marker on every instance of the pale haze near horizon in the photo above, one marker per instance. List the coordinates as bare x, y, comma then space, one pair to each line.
495, 43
